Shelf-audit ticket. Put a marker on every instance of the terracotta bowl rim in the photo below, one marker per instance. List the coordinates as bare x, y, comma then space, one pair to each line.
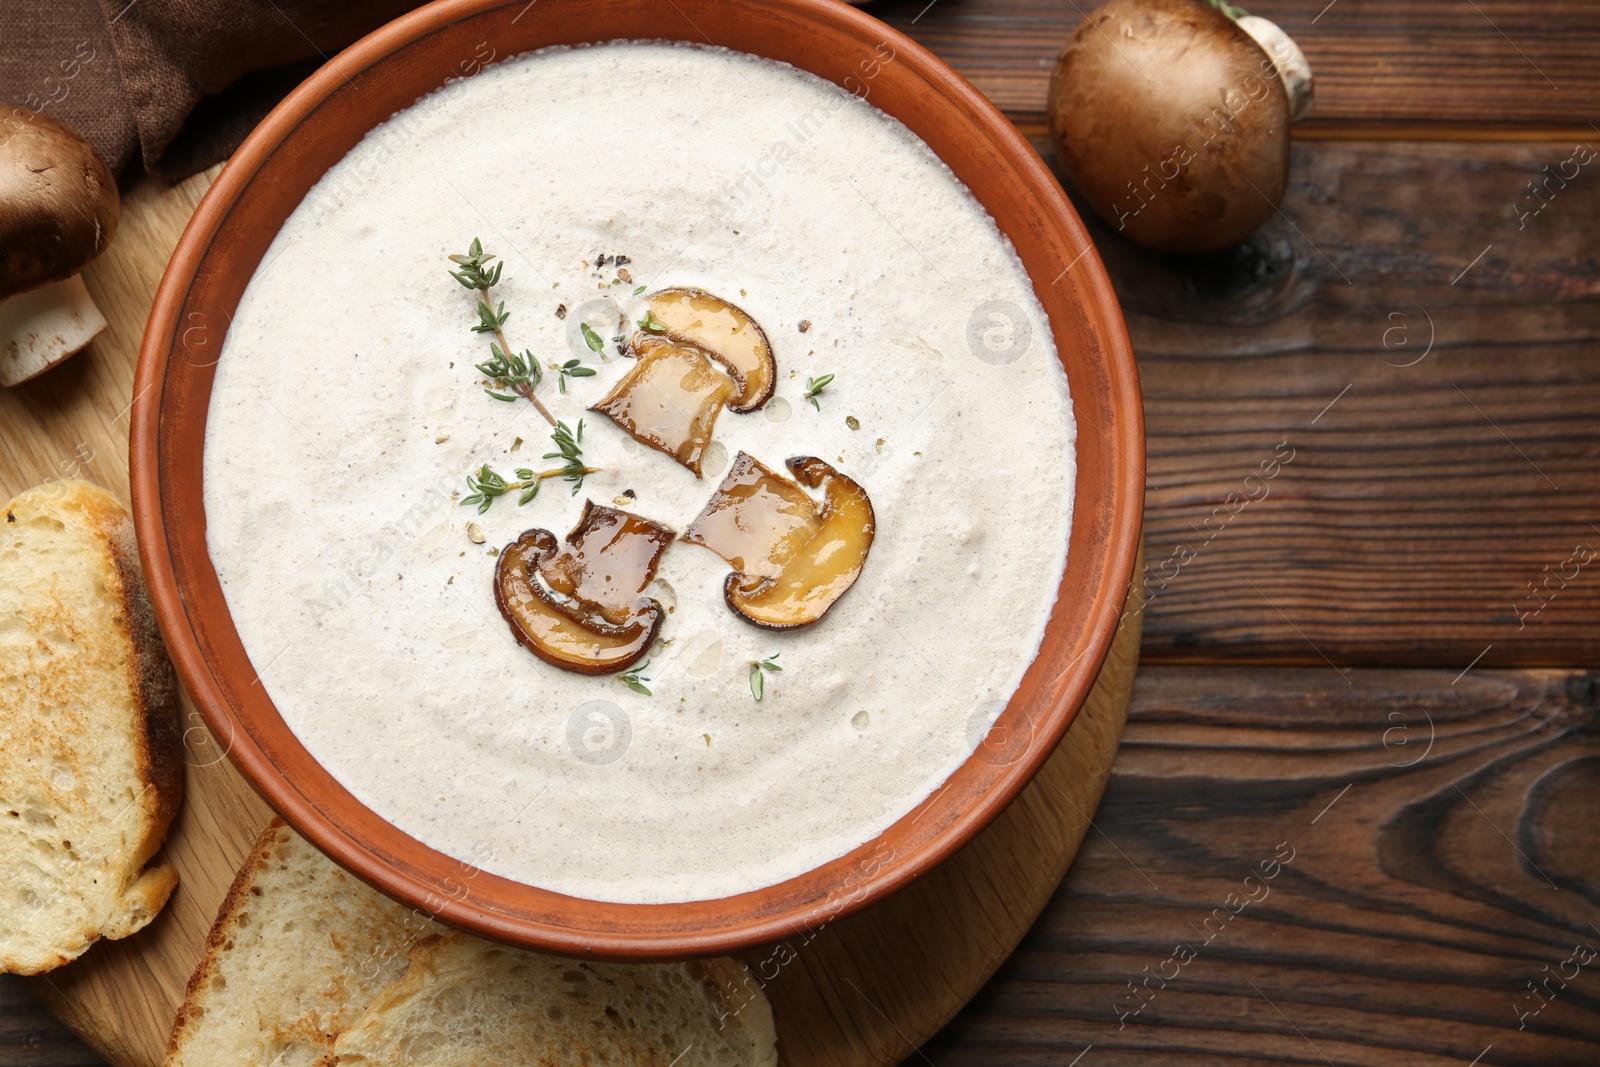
742, 923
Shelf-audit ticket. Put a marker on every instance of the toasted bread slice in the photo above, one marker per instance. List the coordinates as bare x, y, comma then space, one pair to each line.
299, 950
306, 965
466, 1002
91, 768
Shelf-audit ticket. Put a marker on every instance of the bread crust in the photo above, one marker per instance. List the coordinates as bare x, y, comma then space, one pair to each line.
227, 920
152, 687
726, 979
152, 681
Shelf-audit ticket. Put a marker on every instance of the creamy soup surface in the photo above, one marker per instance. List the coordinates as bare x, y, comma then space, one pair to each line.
346, 416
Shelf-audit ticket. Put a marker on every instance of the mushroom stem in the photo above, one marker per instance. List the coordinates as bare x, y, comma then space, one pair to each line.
1286, 57
43, 326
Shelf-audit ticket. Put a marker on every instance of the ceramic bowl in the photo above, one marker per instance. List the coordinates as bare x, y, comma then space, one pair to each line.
383, 73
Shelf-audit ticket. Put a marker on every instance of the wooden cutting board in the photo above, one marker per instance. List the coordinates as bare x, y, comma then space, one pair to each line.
866, 992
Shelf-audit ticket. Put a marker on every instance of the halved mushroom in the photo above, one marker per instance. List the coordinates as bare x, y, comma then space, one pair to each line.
580, 605
729, 335
802, 564
58, 211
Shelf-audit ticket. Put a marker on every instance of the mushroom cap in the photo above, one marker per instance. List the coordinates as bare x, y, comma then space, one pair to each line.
58, 202
1172, 122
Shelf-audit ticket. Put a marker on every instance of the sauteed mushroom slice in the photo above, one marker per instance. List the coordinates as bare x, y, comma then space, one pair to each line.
728, 334
580, 604
670, 399
756, 520
792, 559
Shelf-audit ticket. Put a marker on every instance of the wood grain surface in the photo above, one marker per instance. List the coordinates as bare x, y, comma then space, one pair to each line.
852, 995
73, 421
1423, 372
1434, 64
1445, 855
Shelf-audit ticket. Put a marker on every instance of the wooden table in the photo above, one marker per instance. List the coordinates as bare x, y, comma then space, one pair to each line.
1377, 675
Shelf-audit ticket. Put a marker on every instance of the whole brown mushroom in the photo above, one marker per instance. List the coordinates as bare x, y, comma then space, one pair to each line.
1172, 118
58, 211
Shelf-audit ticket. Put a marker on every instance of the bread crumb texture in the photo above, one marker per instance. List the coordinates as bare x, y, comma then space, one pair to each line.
91, 769
306, 966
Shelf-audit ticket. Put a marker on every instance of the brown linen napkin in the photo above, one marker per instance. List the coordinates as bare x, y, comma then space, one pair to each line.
56, 58
179, 81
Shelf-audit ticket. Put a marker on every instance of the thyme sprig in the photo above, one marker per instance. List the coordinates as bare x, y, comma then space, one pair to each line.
758, 674
569, 448
518, 374
486, 484
815, 386
635, 679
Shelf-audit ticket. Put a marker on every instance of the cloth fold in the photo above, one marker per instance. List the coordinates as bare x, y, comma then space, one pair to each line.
176, 84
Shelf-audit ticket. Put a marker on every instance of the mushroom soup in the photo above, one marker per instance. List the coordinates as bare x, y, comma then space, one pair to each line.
717, 647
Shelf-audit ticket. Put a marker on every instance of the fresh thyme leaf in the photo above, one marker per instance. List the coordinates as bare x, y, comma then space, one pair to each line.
639, 290
574, 368
488, 320
530, 483
473, 274
635, 679
591, 338
758, 674
651, 323
815, 386
569, 449
516, 373
485, 486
